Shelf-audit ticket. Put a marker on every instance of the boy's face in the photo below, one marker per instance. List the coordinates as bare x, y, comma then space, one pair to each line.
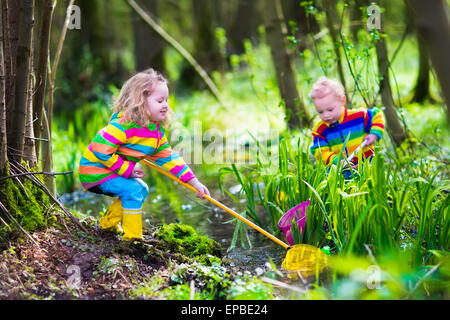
329, 107
157, 106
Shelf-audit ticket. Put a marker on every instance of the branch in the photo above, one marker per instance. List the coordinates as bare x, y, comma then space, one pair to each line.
186, 55
39, 172
61, 42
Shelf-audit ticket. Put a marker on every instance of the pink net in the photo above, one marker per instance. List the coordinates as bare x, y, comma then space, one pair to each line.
299, 213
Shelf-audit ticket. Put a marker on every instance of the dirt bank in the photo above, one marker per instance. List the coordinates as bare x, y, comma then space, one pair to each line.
65, 262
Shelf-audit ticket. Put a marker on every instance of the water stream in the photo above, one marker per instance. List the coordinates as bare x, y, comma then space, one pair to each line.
200, 214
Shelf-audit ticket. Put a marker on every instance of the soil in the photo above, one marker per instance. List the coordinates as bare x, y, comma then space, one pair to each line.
64, 262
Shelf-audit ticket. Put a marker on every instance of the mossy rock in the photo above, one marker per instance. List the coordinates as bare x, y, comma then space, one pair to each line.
185, 240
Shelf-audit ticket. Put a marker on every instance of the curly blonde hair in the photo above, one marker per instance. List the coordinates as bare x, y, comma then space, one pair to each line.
132, 100
325, 86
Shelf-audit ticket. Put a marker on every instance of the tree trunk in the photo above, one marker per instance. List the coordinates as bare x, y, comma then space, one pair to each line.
433, 27
331, 15
26, 21
10, 19
355, 15
394, 126
47, 150
422, 86
206, 49
3, 139
305, 23
297, 115
29, 148
244, 25
41, 69
148, 45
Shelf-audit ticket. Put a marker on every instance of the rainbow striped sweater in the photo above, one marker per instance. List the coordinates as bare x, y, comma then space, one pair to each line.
117, 148
329, 139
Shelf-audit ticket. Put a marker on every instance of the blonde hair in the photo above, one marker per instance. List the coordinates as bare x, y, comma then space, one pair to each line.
325, 86
132, 100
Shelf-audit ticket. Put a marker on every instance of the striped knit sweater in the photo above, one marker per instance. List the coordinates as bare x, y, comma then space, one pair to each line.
117, 148
329, 139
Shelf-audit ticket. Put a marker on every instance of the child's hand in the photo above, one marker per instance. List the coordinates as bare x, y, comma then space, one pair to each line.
137, 173
370, 139
202, 190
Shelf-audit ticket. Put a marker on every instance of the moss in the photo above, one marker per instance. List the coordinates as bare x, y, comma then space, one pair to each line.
25, 202
184, 239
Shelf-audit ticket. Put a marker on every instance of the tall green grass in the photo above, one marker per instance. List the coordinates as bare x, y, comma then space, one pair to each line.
390, 203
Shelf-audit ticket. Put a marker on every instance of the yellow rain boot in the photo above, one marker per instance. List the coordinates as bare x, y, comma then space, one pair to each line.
112, 217
132, 225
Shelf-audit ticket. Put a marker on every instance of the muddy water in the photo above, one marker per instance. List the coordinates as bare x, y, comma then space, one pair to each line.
200, 214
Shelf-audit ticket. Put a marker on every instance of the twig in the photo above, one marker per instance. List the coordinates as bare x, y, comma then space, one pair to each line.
61, 42
34, 138
283, 285
124, 278
5, 223
422, 279
38, 172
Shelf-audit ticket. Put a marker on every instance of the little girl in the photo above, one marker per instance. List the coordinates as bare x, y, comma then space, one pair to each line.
135, 131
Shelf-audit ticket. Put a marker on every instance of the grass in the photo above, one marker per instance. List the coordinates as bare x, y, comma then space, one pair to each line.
390, 203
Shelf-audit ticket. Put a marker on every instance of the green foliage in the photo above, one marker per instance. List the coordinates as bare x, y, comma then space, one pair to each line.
184, 239
249, 288
206, 281
389, 276
390, 203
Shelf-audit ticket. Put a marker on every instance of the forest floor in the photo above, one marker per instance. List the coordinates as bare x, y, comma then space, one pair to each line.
64, 262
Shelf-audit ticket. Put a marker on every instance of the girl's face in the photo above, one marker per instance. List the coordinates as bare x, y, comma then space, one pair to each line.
329, 107
157, 107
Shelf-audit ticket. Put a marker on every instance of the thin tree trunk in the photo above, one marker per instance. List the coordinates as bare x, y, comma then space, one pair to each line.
148, 45
47, 156
47, 150
282, 58
10, 19
206, 49
330, 11
422, 86
244, 26
433, 27
355, 16
305, 23
26, 21
29, 148
41, 72
3, 139
394, 126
